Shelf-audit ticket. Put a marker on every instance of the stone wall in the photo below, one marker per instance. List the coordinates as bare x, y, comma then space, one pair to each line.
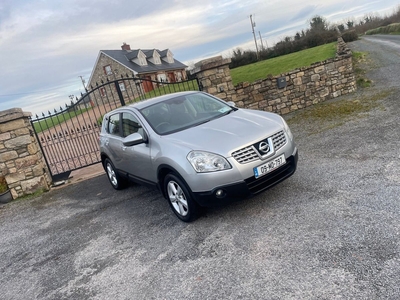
297, 89
21, 161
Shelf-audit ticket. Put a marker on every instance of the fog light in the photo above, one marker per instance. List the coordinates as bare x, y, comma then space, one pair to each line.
220, 193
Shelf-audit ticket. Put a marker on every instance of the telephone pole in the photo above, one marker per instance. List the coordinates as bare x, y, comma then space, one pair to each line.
262, 45
253, 24
83, 82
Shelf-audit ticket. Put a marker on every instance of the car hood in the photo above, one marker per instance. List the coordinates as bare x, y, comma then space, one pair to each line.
228, 133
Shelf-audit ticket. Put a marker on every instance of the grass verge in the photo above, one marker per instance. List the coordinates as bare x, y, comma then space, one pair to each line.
389, 29
335, 113
358, 59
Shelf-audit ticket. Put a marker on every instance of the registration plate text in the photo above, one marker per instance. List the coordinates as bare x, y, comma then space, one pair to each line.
269, 166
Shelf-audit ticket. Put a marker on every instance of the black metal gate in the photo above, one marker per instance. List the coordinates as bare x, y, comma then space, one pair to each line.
68, 137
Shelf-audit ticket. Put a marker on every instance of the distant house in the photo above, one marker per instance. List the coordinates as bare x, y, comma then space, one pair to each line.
148, 64
84, 102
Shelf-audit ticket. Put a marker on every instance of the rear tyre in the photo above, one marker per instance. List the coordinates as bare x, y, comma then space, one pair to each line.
180, 198
115, 179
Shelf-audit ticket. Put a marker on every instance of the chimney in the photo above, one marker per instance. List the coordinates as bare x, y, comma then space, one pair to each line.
126, 47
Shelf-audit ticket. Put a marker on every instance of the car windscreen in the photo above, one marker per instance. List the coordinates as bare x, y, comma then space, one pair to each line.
184, 111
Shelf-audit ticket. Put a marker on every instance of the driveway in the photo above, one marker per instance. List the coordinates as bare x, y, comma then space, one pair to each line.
330, 231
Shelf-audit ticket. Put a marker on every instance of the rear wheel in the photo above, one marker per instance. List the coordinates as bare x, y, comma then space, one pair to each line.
115, 179
180, 198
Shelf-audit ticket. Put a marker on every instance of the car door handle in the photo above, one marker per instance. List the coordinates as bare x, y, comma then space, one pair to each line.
123, 148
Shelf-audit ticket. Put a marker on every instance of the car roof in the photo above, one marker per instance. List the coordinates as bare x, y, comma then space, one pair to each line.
148, 102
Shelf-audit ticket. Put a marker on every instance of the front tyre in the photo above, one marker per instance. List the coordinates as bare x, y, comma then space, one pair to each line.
115, 179
180, 198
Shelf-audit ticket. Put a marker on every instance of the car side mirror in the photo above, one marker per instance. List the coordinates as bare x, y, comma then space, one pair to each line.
231, 103
133, 139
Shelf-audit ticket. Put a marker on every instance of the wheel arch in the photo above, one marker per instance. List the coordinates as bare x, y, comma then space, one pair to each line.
103, 157
162, 171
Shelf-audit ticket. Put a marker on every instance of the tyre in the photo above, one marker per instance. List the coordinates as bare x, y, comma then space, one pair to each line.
180, 198
115, 179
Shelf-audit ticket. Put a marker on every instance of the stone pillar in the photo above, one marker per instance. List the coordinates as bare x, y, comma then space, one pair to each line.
21, 160
215, 77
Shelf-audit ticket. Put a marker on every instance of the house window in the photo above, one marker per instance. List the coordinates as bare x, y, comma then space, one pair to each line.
162, 77
121, 86
103, 92
107, 70
179, 75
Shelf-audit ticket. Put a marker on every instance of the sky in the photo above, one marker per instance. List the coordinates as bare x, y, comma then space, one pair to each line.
48, 46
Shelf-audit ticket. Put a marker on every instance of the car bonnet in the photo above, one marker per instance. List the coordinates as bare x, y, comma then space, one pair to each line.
228, 133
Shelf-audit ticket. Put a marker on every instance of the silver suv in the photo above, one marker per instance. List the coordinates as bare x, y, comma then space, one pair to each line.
196, 149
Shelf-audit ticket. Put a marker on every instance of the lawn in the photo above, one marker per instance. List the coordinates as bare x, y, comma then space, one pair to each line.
168, 88
56, 119
283, 64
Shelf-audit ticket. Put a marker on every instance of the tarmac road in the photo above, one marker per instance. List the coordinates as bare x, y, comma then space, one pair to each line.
330, 231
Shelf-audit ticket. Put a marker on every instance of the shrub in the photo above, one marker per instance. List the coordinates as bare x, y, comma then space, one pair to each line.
350, 36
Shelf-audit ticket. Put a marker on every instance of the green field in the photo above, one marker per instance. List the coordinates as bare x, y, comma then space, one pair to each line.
282, 64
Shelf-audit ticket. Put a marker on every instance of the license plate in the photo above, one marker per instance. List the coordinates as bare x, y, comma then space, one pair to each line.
269, 166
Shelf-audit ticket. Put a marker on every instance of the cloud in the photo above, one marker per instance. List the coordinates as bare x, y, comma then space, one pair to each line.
304, 14
46, 45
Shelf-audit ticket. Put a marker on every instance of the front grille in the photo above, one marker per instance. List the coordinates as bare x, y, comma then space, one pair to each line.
279, 140
249, 154
245, 155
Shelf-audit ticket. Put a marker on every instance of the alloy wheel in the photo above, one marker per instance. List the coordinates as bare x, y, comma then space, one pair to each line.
178, 198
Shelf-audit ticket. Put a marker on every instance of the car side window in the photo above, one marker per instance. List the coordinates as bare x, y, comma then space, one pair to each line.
130, 124
113, 125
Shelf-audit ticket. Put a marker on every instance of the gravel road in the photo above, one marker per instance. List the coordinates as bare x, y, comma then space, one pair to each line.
330, 231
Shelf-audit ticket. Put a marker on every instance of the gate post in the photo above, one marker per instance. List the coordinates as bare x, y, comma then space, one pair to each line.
214, 77
21, 160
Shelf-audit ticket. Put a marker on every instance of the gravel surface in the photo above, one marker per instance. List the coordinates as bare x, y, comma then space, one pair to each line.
330, 231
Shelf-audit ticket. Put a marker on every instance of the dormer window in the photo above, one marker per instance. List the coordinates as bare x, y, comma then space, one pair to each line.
167, 56
154, 57
170, 58
142, 59
157, 60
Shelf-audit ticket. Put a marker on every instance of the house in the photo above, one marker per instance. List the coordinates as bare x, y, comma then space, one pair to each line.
149, 64
84, 101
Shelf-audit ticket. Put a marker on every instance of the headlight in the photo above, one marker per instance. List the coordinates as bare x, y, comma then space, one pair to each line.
207, 162
287, 129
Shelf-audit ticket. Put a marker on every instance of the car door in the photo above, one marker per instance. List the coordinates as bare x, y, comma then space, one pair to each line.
136, 160
114, 140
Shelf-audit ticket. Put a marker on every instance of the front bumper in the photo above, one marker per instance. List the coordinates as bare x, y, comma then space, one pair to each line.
250, 186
